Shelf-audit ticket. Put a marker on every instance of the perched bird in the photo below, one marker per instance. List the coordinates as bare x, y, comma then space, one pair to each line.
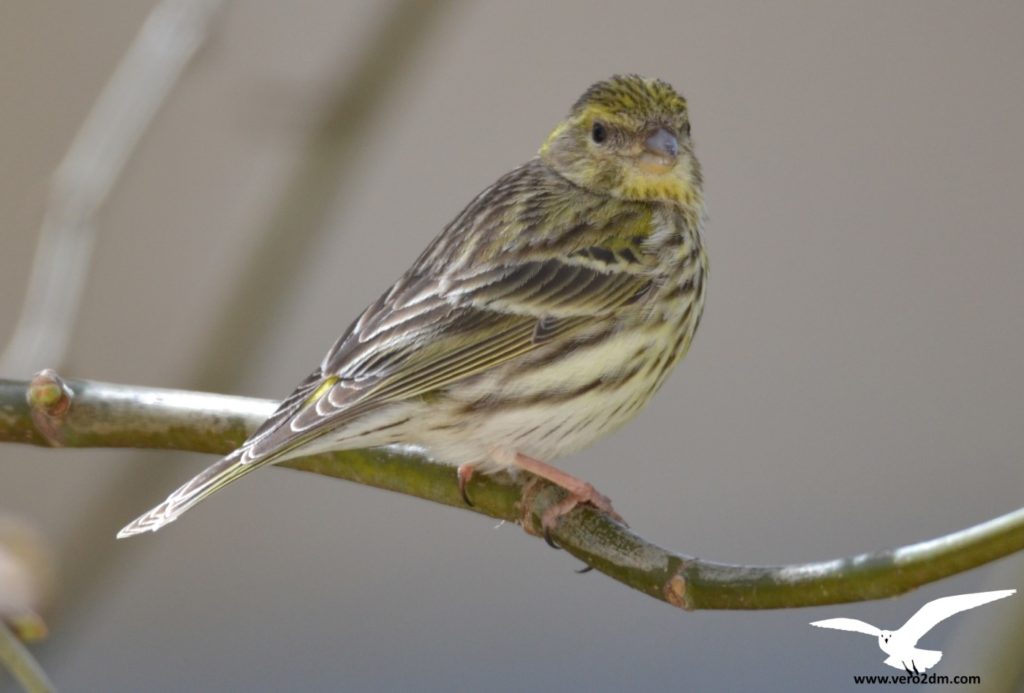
901, 645
545, 315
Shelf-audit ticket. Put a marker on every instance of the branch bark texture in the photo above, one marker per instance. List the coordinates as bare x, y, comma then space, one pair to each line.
50, 411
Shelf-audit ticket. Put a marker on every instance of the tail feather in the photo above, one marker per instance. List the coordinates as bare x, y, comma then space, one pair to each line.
275, 440
197, 489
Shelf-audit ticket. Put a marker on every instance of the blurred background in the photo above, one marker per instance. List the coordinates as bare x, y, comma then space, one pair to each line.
857, 381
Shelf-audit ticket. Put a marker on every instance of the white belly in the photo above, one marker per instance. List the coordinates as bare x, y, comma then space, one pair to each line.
525, 421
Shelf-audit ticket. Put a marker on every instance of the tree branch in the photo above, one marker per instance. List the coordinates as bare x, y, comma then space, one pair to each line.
147, 73
26, 586
20, 662
80, 413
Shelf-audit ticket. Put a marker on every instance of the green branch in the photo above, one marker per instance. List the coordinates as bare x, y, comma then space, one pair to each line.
79, 413
20, 662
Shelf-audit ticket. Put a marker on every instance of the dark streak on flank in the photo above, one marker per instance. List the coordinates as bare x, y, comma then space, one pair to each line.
549, 356
386, 427
491, 404
680, 290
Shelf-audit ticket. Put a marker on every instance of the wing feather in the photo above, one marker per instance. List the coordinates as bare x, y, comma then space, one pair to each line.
442, 322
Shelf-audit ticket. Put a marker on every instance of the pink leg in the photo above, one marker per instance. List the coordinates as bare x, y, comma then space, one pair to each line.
464, 473
579, 491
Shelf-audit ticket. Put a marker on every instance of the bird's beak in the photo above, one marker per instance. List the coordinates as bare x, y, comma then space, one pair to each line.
661, 150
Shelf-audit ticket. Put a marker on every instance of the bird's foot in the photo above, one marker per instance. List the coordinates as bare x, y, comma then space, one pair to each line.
464, 473
579, 492
583, 494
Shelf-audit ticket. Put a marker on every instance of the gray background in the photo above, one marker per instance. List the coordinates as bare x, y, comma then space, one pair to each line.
857, 381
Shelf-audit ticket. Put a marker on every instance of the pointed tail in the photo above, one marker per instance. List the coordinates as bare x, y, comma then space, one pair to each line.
207, 482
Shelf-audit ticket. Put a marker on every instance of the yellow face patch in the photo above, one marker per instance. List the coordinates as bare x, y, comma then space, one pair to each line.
641, 183
605, 145
654, 165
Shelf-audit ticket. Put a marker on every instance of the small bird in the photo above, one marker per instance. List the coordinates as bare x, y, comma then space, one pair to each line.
546, 314
901, 645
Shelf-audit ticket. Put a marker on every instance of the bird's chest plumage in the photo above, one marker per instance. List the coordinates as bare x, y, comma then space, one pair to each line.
560, 399
678, 303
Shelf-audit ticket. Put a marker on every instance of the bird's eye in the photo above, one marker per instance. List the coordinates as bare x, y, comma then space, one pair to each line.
599, 133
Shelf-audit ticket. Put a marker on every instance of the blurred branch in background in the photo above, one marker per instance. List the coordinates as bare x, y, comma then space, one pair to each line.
278, 251
27, 578
51, 411
170, 36
21, 664
272, 271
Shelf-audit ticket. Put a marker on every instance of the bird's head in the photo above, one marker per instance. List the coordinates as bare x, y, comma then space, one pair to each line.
629, 137
884, 636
